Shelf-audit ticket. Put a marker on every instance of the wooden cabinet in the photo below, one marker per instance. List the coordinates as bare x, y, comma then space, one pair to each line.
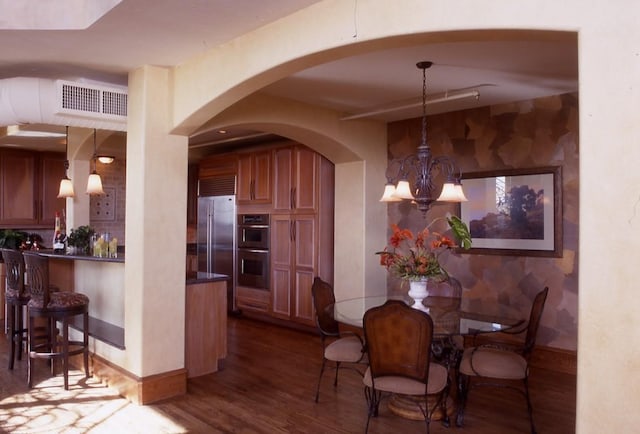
218, 165
205, 327
29, 184
293, 266
295, 179
252, 299
254, 178
52, 171
192, 194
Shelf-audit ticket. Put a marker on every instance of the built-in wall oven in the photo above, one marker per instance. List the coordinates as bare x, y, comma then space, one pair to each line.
253, 250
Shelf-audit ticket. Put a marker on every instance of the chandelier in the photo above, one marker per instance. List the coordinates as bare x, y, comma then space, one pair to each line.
421, 169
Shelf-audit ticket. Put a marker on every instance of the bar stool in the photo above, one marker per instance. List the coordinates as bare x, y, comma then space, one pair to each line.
16, 299
54, 307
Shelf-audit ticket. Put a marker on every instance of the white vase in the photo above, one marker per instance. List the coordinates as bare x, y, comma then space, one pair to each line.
418, 291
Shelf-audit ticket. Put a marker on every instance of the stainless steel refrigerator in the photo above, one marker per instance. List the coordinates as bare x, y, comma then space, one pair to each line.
217, 239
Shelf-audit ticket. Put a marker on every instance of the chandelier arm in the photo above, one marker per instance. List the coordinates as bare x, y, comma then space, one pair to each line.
448, 167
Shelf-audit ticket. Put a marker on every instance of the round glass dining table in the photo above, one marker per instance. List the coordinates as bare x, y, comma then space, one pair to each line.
451, 316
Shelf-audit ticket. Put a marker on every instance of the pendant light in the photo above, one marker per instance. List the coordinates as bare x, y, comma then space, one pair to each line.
94, 183
422, 168
66, 186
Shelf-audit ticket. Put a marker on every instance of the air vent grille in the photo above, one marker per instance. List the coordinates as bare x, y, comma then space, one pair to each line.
80, 98
93, 101
217, 186
114, 103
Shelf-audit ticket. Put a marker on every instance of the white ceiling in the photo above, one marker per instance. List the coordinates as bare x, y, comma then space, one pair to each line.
169, 32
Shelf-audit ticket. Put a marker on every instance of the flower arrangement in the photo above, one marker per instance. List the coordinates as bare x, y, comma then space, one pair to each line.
420, 258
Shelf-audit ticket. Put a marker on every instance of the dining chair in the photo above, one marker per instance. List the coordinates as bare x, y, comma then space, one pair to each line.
398, 340
54, 307
337, 347
449, 287
16, 299
446, 349
500, 364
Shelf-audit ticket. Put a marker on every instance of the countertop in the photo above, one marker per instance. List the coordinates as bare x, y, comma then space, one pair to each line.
49, 253
203, 277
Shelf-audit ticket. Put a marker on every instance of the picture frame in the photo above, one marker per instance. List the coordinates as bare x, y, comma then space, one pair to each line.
514, 211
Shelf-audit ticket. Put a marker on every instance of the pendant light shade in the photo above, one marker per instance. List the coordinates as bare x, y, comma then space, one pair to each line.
94, 183
66, 186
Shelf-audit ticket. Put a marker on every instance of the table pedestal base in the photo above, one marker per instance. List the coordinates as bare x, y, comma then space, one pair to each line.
405, 406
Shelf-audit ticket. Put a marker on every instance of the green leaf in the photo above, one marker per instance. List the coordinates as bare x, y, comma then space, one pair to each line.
461, 231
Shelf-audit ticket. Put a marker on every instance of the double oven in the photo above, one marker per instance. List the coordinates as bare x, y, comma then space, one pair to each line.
253, 251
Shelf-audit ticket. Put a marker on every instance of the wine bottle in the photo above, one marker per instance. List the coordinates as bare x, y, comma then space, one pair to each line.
58, 236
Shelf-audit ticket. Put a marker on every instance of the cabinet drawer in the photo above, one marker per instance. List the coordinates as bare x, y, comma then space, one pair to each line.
252, 299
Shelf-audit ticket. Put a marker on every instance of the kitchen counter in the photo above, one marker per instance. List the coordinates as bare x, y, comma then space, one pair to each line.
50, 254
202, 277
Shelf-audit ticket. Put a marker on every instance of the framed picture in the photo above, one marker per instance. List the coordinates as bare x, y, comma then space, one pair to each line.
514, 211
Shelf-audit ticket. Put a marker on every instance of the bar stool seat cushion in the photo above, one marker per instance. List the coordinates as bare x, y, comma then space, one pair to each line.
13, 294
60, 301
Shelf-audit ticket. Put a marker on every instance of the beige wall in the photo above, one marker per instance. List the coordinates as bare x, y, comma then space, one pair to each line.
609, 324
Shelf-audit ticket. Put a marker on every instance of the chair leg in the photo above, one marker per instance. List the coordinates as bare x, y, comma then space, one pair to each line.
373, 402
463, 392
30, 348
65, 352
529, 406
18, 332
85, 342
324, 361
11, 320
335, 381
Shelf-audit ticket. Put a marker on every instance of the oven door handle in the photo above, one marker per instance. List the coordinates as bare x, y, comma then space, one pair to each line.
244, 249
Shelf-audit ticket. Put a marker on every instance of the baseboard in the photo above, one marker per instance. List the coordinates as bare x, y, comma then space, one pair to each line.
138, 390
555, 359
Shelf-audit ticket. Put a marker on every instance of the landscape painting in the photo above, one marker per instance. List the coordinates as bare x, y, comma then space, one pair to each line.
514, 211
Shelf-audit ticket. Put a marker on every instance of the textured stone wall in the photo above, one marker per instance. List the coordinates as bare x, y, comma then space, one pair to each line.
542, 132
108, 212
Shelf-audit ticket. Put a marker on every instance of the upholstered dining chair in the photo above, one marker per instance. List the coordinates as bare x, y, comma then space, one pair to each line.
398, 341
337, 347
16, 299
54, 307
499, 364
449, 287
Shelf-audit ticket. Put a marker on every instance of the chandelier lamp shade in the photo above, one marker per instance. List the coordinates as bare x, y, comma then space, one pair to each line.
94, 183
412, 177
66, 186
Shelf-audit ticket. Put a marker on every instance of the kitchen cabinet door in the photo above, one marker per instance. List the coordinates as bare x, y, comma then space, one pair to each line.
295, 180
19, 205
293, 266
281, 269
29, 183
52, 171
254, 178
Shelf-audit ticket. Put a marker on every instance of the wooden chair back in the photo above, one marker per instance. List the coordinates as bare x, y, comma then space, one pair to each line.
323, 296
14, 263
449, 287
38, 276
398, 340
534, 321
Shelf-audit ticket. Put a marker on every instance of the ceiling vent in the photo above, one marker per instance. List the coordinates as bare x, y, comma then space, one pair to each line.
88, 100
29, 100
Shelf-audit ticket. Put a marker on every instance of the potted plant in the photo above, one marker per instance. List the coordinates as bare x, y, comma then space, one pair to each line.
80, 239
12, 239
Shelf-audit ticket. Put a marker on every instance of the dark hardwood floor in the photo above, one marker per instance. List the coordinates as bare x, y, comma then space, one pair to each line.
267, 386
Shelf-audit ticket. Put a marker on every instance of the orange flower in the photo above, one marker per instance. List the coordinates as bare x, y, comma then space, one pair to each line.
419, 258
